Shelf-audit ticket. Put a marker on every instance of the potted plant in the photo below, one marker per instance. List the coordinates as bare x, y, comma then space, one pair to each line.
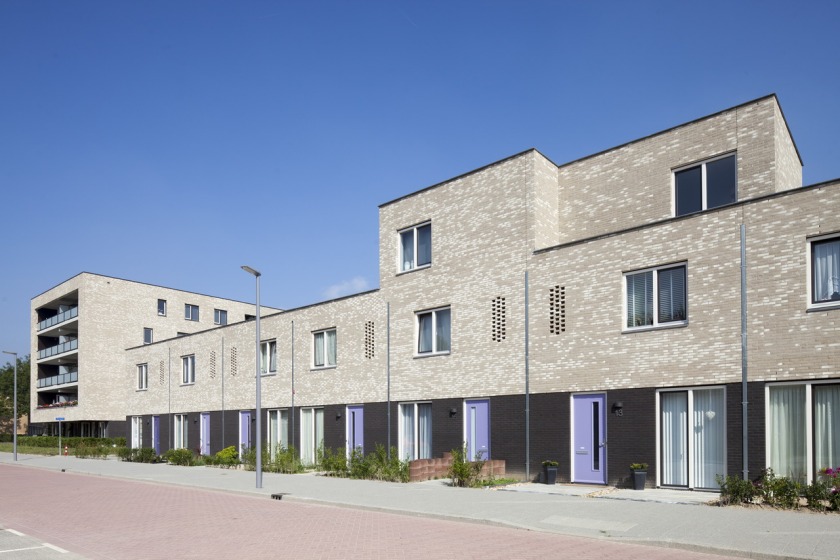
639, 472
549, 471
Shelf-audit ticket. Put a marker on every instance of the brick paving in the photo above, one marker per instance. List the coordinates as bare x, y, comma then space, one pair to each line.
101, 518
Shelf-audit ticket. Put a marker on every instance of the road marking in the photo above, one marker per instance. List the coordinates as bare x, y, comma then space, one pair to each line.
57, 549
583, 523
18, 533
19, 549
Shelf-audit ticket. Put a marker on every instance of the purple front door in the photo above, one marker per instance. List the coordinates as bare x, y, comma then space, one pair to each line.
355, 429
156, 434
478, 429
205, 434
244, 430
589, 439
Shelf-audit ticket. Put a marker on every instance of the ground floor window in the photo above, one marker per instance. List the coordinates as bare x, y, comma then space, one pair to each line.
136, 432
803, 429
415, 431
311, 434
692, 437
181, 426
278, 432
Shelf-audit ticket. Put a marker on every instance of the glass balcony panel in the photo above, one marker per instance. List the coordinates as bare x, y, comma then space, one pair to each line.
61, 379
59, 349
60, 318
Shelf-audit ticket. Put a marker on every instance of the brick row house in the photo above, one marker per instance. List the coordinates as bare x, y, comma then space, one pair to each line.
672, 301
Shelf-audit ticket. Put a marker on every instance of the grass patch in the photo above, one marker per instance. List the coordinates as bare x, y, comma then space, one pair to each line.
28, 450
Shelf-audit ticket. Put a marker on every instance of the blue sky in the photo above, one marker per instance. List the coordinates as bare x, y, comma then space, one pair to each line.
170, 142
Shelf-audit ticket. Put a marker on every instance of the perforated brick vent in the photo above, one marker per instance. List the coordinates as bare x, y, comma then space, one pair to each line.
162, 373
557, 309
212, 364
233, 363
370, 340
499, 319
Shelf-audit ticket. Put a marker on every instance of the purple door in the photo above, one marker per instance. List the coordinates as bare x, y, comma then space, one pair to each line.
156, 434
478, 429
355, 429
244, 431
589, 439
205, 433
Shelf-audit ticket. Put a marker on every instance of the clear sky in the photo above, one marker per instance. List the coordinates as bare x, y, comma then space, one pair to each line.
170, 142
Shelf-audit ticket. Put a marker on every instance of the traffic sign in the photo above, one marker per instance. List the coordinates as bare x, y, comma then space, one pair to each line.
59, 419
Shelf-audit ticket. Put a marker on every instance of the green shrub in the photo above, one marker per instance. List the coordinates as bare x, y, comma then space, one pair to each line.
85, 451
358, 466
816, 495
463, 472
735, 490
776, 491
181, 457
70, 442
332, 462
227, 458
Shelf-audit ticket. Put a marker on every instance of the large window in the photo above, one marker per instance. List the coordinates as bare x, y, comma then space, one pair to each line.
434, 335
710, 184
311, 434
324, 348
190, 312
415, 247
188, 369
268, 356
655, 297
142, 376
415, 431
219, 317
278, 432
136, 432
803, 429
825, 271
181, 427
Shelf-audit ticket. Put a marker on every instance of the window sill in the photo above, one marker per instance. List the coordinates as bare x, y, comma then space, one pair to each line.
268, 374
142, 390
188, 384
322, 368
823, 307
655, 328
431, 354
415, 269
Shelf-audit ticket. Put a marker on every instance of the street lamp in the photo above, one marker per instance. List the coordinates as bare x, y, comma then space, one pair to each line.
14, 421
257, 275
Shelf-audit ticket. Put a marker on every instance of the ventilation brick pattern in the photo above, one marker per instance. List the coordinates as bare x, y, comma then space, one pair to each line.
213, 364
370, 340
162, 372
557, 309
499, 319
233, 362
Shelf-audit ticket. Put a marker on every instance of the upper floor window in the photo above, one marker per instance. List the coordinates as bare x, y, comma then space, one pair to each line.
190, 312
324, 351
655, 297
268, 356
415, 247
219, 317
148, 335
710, 184
434, 334
142, 376
188, 369
825, 271
162, 307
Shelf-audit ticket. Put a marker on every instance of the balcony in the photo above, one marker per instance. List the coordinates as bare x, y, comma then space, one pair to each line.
59, 404
58, 319
58, 349
61, 379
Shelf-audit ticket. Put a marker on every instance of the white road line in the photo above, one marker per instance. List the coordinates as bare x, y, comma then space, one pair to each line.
18, 533
57, 549
19, 549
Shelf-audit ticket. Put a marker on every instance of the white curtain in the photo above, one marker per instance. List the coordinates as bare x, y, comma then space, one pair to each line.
709, 431
331, 361
443, 318
424, 344
319, 428
826, 270
283, 439
273, 433
826, 426
307, 436
674, 426
407, 439
424, 431
787, 431
319, 349
407, 241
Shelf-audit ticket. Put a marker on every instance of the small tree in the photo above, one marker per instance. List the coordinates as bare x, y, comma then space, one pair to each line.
7, 380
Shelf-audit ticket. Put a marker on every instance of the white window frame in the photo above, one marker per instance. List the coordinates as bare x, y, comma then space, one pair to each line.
433, 312
809, 272
414, 453
148, 335
191, 312
181, 429
161, 307
703, 186
323, 343
268, 357
401, 265
279, 440
309, 453
142, 377
188, 369
136, 432
220, 317
656, 324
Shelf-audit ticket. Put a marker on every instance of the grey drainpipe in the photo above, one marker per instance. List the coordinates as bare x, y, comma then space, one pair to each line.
388, 371
527, 391
292, 435
744, 402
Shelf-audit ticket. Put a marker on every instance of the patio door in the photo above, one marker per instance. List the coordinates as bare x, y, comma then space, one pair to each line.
477, 435
589, 439
355, 429
244, 431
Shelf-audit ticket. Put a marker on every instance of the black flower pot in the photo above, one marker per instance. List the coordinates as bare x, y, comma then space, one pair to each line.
549, 475
639, 479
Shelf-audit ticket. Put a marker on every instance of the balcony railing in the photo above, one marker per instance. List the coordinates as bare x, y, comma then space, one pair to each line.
74, 402
60, 379
59, 349
60, 318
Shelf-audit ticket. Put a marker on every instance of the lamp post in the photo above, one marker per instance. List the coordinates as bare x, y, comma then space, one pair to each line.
14, 421
257, 275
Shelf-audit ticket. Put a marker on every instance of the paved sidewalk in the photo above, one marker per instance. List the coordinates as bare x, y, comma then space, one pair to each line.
679, 519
